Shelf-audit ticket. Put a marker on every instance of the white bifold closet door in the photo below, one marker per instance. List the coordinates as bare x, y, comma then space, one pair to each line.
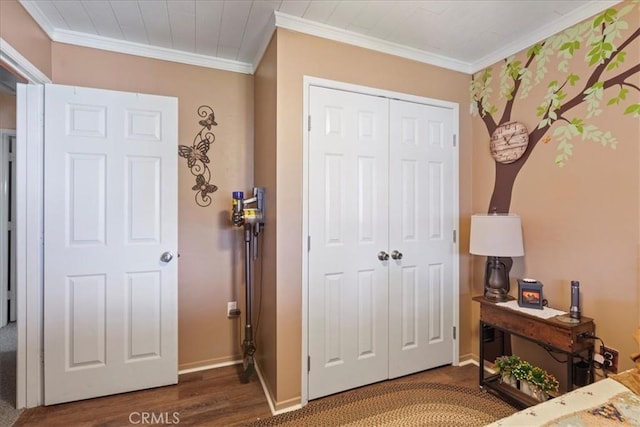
380, 184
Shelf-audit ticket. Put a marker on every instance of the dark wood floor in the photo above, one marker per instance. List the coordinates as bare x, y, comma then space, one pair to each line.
214, 397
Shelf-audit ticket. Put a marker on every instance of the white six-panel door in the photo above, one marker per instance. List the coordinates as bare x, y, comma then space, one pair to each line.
348, 188
421, 228
110, 302
380, 180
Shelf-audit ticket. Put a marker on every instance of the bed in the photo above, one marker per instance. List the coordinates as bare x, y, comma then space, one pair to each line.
608, 402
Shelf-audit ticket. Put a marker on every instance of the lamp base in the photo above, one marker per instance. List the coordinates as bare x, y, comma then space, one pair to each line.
496, 295
496, 280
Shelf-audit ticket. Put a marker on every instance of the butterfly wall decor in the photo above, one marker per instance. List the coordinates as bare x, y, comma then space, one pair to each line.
197, 158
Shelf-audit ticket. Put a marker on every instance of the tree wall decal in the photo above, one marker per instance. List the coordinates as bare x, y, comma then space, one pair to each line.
603, 41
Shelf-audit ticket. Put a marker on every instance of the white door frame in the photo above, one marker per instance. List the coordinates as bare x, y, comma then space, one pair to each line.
29, 218
315, 81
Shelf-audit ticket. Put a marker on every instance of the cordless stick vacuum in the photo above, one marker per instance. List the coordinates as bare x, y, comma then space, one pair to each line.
252, 221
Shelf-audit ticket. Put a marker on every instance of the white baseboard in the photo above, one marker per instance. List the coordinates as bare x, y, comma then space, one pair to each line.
207, 367
272, 407
474, 362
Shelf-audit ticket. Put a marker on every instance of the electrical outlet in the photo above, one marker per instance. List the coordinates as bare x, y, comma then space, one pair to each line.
610, 359
232, 308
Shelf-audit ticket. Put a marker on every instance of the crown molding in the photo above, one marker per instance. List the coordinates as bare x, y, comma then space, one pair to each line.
156, 52
337, 34
131, 48
301, 25
587, 11
37, 15
563, 22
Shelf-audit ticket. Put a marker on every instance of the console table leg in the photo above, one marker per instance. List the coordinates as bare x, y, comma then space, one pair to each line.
570, 372
481, 350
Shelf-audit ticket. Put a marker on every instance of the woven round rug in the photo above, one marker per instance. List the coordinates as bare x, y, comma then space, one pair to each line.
398, 404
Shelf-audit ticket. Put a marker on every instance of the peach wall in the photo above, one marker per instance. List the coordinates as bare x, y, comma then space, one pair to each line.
210, 263
7, 111
300, 55
580, 221
23, 34
265, 83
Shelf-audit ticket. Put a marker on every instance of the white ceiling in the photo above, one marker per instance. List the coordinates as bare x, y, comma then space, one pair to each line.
463, 35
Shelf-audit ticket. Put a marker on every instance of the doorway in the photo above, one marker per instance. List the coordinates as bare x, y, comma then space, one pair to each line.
8, 302
28, 230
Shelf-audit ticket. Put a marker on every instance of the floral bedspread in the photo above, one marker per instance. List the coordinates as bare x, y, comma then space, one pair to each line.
603, 403
621, 409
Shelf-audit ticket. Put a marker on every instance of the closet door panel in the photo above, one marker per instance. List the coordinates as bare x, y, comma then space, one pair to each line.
421, 229
348, 226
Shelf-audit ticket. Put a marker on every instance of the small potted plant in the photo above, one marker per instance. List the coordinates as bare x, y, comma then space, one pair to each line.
521, 373
542, 383
504, 366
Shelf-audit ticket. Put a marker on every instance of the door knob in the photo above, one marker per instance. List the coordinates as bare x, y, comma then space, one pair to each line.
383, 256
396, 255
166, 257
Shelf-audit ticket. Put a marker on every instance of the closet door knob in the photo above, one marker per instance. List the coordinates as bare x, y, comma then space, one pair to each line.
383, 256
396, 255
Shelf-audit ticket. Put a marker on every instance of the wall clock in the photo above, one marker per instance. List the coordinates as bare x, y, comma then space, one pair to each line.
509, 142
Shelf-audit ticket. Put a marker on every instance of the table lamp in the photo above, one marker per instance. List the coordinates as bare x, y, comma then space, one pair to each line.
494, 236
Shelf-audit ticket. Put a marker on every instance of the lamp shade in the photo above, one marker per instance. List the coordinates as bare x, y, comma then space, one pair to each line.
498, 235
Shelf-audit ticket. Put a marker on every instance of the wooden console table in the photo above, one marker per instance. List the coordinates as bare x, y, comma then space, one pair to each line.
551, 333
